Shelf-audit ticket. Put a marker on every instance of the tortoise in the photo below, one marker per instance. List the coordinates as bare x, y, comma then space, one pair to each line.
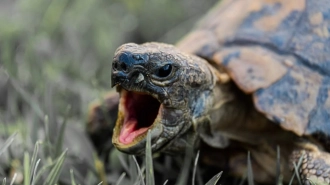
253, 75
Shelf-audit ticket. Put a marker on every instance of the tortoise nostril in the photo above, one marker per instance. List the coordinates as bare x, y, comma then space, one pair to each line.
115, 65
123, 66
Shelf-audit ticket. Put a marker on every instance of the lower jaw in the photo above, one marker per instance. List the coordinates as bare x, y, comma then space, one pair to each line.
137, 146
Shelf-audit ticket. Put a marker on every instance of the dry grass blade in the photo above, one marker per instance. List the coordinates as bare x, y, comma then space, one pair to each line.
55, 172
8, 143
13, 179
214, 179
195, 168
150, 179
122, 176
249, 170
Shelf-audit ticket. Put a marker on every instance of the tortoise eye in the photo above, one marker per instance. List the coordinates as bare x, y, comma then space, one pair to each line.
164, 71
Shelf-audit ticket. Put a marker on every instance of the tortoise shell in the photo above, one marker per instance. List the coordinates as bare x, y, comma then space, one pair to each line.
276, 50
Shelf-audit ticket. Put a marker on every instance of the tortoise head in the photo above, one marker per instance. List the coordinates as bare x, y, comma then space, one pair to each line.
161, 90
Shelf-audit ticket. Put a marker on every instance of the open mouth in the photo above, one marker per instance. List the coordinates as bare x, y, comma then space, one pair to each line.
137, 113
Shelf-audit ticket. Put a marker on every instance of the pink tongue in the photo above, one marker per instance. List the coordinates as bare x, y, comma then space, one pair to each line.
127, 135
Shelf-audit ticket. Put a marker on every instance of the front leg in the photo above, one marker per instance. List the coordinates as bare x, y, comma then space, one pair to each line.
315, 165
102, 116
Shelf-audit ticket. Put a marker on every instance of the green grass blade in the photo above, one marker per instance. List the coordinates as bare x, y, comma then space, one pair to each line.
35, 172
195, 168
8, 142
243, 179
73, 181
122, 176
59, 142
56, 170
150, 179
123, 162
27, 98
278, 167
34, 159
296, 171
186, 166
133, 170
249, 170
43, 170
214, 179
140, 176
27, 179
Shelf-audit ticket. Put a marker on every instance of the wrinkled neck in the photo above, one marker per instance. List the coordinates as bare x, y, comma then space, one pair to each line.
237, 118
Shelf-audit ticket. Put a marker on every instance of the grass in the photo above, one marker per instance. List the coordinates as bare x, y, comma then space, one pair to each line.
46, 162
51, 171
55, 57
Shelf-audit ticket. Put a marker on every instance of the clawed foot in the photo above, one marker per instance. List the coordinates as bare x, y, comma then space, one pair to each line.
314, 167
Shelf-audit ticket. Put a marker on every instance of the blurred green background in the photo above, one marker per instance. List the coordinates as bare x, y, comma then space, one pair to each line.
55, 59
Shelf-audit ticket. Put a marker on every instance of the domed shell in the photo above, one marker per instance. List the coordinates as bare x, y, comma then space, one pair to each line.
276, 50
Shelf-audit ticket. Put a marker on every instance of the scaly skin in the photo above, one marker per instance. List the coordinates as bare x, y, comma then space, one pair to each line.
184, 101
199, 102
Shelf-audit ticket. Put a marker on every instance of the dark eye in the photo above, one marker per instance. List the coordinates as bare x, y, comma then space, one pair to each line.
164, 71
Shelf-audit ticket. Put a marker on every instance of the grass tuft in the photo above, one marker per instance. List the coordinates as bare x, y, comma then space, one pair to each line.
296, 171
56, 170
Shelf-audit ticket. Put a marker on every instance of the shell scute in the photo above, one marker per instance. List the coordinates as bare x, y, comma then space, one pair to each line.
298, 101
251, 68
277, 50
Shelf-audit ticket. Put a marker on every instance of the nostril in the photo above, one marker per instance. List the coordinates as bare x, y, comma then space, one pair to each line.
123, 66
115, 65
